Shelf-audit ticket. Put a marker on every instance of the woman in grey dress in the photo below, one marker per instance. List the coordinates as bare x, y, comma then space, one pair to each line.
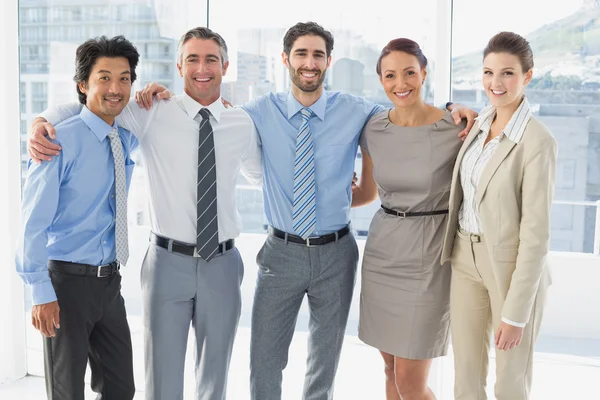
408, 156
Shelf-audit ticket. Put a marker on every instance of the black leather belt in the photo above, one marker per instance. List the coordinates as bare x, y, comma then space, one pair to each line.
185, 248
311, 241
403, 214
99, 271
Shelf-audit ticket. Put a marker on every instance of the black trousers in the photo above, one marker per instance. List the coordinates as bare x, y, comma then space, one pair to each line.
94, 329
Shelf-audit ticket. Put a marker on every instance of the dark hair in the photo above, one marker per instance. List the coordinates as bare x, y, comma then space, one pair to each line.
404, 45
206, 34
511, 43
303, 29
89, 52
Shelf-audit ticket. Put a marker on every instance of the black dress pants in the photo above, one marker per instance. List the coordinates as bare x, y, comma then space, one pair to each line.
94, 329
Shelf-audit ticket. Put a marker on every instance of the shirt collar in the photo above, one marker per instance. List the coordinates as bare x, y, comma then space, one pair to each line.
192, 107
96, 124
318, 108
516, 126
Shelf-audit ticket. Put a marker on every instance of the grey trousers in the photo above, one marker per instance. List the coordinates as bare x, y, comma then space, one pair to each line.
179, 289
287, 272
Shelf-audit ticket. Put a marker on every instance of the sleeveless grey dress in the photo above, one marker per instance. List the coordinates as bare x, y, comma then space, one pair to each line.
405, 294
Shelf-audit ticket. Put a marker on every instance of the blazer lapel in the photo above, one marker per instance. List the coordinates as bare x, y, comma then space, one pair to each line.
506, 145
456, 188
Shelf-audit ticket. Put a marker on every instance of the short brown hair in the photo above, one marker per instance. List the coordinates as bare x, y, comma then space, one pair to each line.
404, 45
303, 29
205, 34
511, 43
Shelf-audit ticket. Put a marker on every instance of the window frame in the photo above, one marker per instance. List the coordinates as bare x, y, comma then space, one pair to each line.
13, 354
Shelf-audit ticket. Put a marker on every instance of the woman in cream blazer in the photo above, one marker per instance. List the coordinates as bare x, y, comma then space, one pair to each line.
498, 230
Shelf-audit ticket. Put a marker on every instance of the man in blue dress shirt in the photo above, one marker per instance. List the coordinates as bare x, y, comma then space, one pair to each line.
74, 232
309, 140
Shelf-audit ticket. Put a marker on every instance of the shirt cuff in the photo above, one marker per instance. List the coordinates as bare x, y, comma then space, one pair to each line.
513, 323
42, 293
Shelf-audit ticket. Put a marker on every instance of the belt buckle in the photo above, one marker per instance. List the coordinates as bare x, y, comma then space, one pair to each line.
99, 271
401, 214
308, 242
196, 255
475, 238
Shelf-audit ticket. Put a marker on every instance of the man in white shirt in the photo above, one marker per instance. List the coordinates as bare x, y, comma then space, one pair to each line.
192, 271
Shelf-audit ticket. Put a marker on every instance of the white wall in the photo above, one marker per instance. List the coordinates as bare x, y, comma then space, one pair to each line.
12, 320
573, 308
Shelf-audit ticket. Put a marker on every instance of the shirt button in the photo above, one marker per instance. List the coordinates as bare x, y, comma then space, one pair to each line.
112, 195
105, 242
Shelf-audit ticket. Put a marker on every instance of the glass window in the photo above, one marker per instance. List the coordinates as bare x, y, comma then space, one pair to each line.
46, 71
564, 92
255, 46
22, 97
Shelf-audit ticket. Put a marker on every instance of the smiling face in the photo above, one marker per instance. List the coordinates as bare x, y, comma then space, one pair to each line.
504, 80
402, 78
307, 63
108, 87
202, 68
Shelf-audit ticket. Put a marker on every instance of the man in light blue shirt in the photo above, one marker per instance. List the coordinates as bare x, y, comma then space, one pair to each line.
309, 140
74, 232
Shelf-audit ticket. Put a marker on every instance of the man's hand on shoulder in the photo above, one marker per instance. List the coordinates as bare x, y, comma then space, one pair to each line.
144, 97
226, 103
39, 146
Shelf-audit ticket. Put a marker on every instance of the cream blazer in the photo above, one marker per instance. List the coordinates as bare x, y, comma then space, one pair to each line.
514, 198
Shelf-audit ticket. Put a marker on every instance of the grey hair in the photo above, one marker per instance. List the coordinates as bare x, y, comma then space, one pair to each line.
203, 33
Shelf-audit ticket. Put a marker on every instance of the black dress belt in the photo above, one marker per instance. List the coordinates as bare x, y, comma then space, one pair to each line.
403, 214
184, 248
98, 271
311, 241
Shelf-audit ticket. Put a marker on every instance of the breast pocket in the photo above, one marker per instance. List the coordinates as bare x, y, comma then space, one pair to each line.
335, 158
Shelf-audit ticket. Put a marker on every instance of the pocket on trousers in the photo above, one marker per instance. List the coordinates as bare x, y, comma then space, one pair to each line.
506, 253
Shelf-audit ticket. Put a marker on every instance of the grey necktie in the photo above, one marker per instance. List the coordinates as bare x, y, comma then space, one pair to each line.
207, 227
121, 240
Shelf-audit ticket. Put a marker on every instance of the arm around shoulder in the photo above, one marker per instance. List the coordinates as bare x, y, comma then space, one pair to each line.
252, 160
365, 191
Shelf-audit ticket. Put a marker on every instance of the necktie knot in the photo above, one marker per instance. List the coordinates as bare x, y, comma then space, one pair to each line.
114, 133
306, 113
204, 113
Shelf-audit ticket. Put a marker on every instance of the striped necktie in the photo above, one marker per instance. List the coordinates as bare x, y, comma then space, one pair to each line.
121, 239
304, 210
207, 227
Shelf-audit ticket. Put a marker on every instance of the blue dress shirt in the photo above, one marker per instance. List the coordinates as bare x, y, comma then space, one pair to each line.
336, 124
68, 207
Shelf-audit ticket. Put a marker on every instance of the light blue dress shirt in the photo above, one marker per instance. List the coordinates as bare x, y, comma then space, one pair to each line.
68, 208
336, 124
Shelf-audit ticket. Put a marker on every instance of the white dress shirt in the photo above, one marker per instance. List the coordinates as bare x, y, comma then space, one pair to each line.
476, 159
168, 136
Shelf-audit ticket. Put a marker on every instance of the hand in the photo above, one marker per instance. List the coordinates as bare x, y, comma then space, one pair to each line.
460, 112
144, 97
226, 103
45, 317
507, 336
40, 148
354, 180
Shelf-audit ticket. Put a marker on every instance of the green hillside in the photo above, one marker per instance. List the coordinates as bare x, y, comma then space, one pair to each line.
572, 42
